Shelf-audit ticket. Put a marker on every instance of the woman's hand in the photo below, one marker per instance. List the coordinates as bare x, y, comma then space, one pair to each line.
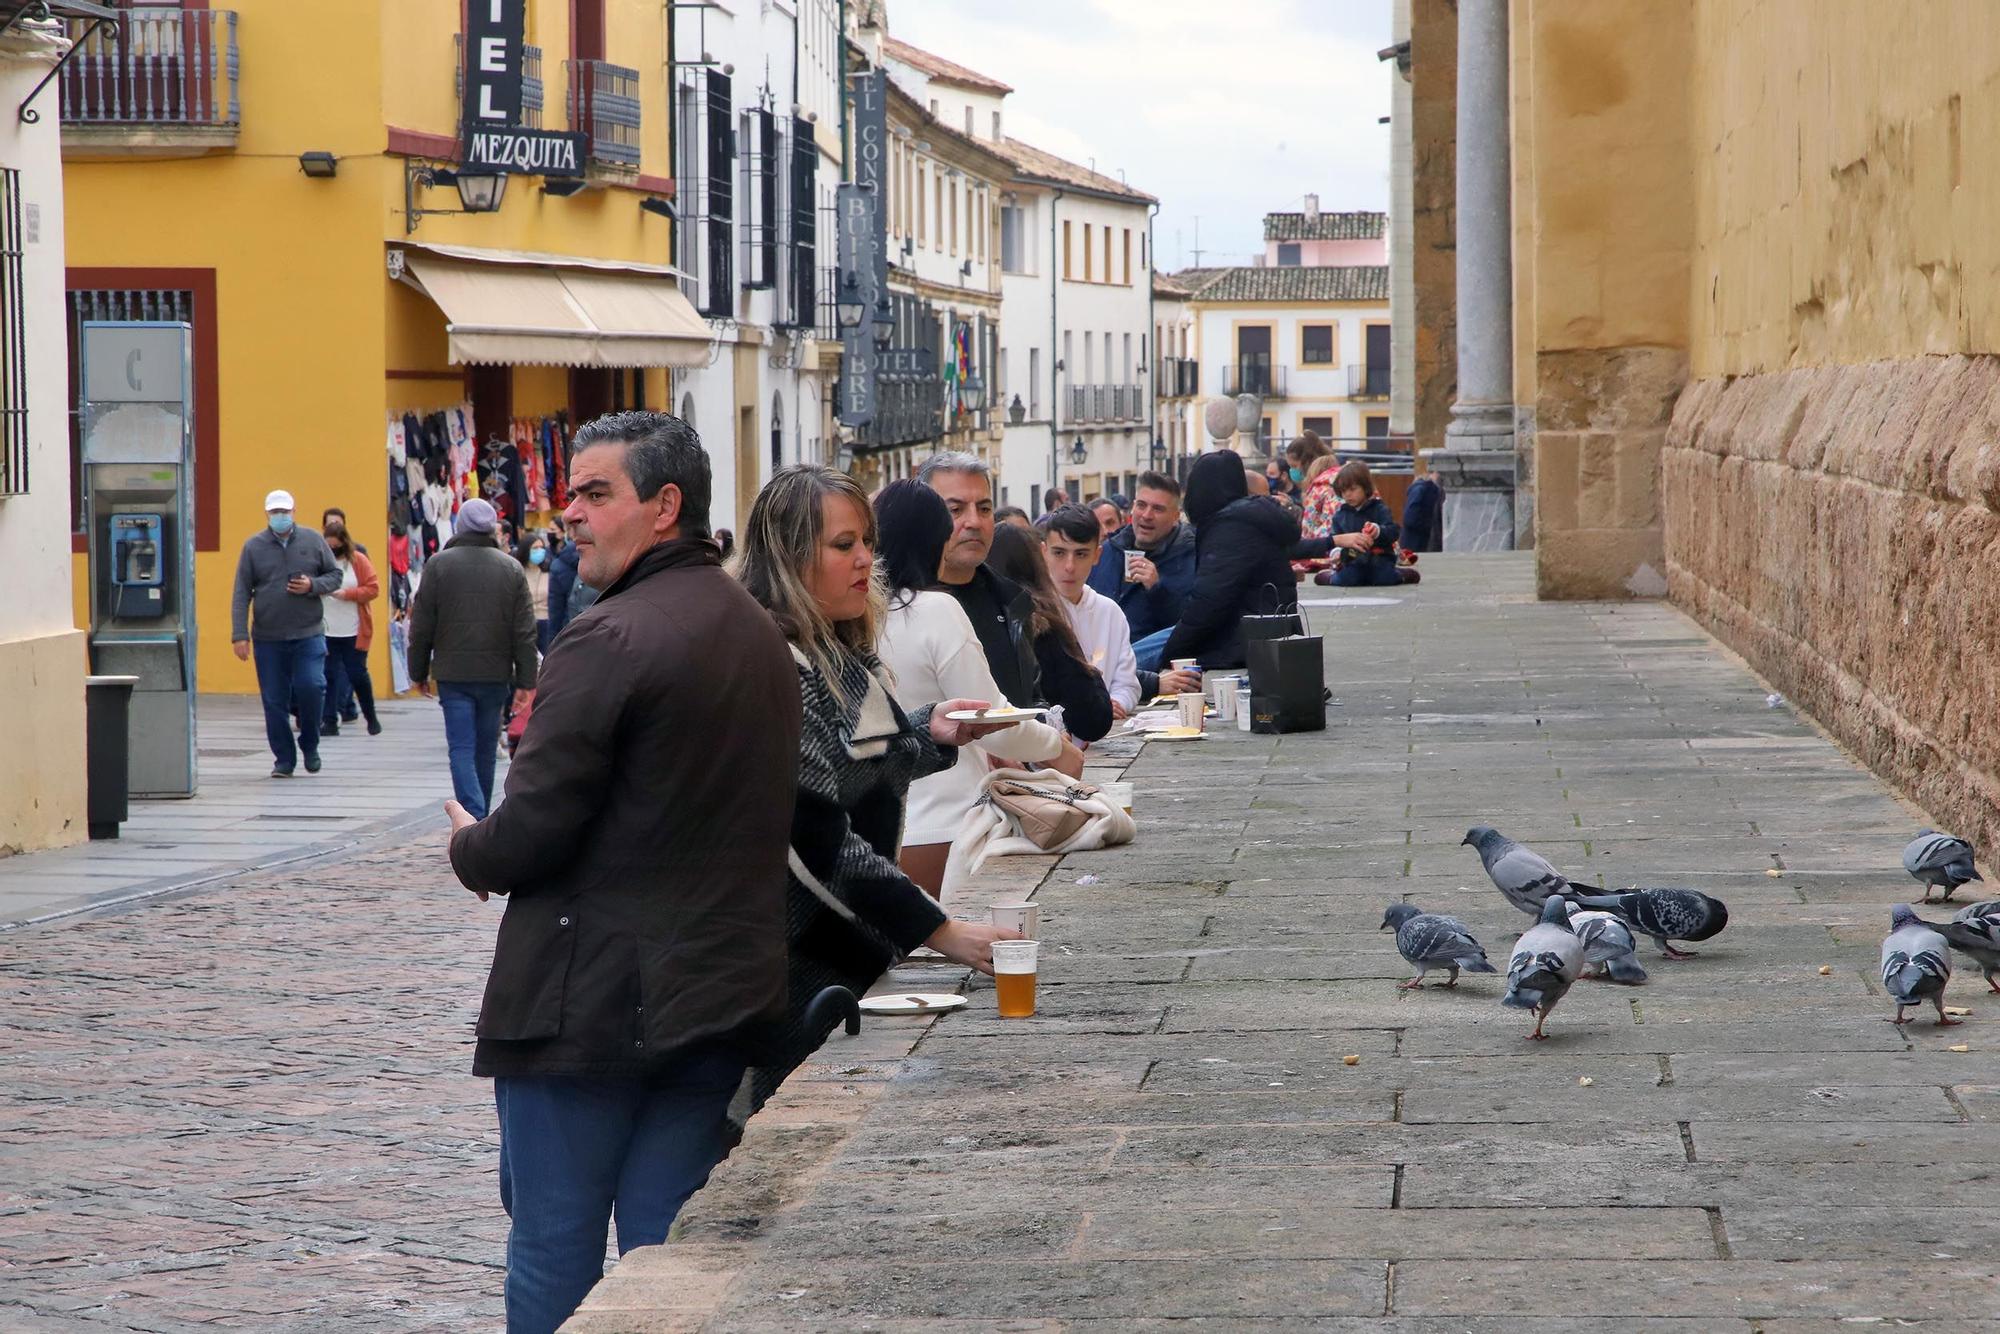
969, 943
947, 731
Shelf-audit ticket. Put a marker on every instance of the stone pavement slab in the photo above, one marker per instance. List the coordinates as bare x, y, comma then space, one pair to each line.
1176, 1139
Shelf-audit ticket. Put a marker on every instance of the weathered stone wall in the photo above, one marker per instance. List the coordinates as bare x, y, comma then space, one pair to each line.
1434, 145
1602, 234
1840, 527
1832, 478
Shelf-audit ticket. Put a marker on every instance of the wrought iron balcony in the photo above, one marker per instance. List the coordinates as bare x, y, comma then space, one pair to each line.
1178, 377
1368, 381
1253, 377
604, 107
163, 79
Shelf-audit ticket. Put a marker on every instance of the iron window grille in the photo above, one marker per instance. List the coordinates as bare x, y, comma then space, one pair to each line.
13, 342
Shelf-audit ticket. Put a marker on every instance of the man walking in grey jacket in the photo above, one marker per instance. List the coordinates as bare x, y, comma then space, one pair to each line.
280, 578
472, 628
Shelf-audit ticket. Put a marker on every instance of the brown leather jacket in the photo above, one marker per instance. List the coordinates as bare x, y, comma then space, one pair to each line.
643, 837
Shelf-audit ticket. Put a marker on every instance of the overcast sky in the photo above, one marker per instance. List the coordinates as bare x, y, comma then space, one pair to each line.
1224, 110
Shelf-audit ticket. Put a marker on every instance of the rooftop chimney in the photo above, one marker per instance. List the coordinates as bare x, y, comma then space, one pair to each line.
1312, 208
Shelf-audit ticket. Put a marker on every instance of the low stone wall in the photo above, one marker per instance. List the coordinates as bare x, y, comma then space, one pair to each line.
1840, 528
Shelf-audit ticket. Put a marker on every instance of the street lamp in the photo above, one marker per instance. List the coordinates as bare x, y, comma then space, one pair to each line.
1017, 411
1078, 453
478, 191
849, 308
885, 320
973, 391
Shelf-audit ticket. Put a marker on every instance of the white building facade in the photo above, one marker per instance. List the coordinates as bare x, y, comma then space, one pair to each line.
1311, 339
757, 144
42, 657
1077, 342
1178, 434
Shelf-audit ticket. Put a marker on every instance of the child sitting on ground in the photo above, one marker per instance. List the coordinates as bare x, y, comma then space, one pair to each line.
1364, 533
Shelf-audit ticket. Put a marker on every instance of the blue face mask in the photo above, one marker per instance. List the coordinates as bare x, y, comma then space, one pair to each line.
537, 556
1297, 475
281, 524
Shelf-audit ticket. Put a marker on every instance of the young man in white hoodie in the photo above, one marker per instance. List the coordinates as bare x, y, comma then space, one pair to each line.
1071, 538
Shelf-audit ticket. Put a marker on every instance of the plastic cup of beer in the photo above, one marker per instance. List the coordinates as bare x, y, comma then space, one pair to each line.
1020, 916
1193, 709
1132, 558
1014, 976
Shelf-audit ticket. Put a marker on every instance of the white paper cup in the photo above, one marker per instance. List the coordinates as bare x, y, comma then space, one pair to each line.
1243, 710
1228, 695
1192, 710
1130, 558
1183, 664
1023, 917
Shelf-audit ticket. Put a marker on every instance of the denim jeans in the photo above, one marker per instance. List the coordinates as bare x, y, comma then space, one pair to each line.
1149, 649
1372, 574
347, 679
472, 731
291, 676
575, 1152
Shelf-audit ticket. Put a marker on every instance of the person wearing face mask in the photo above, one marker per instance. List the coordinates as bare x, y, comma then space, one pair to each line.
535, 564
281, 575
349, 630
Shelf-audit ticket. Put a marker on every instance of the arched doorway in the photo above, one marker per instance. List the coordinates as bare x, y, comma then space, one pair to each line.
777, 431
687, 411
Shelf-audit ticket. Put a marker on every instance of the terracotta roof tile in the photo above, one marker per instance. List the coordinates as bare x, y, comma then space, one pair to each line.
1299, 285
1047, 166
1326, 227
944, 71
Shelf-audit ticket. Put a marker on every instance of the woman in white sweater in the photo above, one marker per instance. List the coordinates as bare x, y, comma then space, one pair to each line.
932, 652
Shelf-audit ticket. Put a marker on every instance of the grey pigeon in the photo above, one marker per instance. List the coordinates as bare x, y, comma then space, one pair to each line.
1975, 933
1915, 965
1665, 914
1940, 861
1608, 944
1521, 874
1432, 940
1547, 959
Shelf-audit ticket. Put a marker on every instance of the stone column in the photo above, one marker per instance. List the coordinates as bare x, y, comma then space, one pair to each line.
1477, 465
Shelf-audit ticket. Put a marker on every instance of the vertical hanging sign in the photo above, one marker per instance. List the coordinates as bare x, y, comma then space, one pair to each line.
495, 31
864, 248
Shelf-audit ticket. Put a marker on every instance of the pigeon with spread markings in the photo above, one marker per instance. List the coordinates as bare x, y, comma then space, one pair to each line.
1940, 861
1432, 940
1547, 959
1916, 964
1523, 875
1666, 915
1608, 945
1975, 933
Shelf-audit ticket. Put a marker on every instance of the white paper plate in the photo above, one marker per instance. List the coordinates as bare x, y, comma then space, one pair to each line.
995, 716
911, 1003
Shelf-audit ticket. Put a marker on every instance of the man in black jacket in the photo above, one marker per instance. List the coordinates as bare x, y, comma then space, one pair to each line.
472, 626
640, 966
1242, 566
1000, 610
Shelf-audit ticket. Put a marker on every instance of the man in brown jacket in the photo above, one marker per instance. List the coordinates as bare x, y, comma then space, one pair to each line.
642, 846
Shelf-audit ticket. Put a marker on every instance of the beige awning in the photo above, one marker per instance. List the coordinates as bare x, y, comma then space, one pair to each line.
533, 315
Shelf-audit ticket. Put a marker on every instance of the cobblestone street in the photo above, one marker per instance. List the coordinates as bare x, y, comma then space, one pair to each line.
249, 1105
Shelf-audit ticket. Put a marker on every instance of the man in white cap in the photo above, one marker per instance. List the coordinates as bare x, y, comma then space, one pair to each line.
472, 628
281, 576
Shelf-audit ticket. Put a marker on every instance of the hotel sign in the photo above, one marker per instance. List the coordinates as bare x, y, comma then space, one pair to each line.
494, 138
864, 249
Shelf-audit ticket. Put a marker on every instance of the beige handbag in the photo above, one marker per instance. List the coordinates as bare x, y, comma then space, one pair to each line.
1043, 805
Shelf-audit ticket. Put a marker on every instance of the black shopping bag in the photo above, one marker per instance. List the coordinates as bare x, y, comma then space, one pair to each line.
1287, 684
1271, 624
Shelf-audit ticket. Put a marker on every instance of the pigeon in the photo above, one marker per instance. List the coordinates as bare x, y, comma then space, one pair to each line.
1665, 915
1521, 874
1975, 933
1547, 959
1607, 943
1915, 965
1940, 860
1432, 940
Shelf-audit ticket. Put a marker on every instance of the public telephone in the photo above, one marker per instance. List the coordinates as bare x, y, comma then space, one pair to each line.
138, 576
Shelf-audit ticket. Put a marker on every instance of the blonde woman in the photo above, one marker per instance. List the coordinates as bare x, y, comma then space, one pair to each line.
808, 555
